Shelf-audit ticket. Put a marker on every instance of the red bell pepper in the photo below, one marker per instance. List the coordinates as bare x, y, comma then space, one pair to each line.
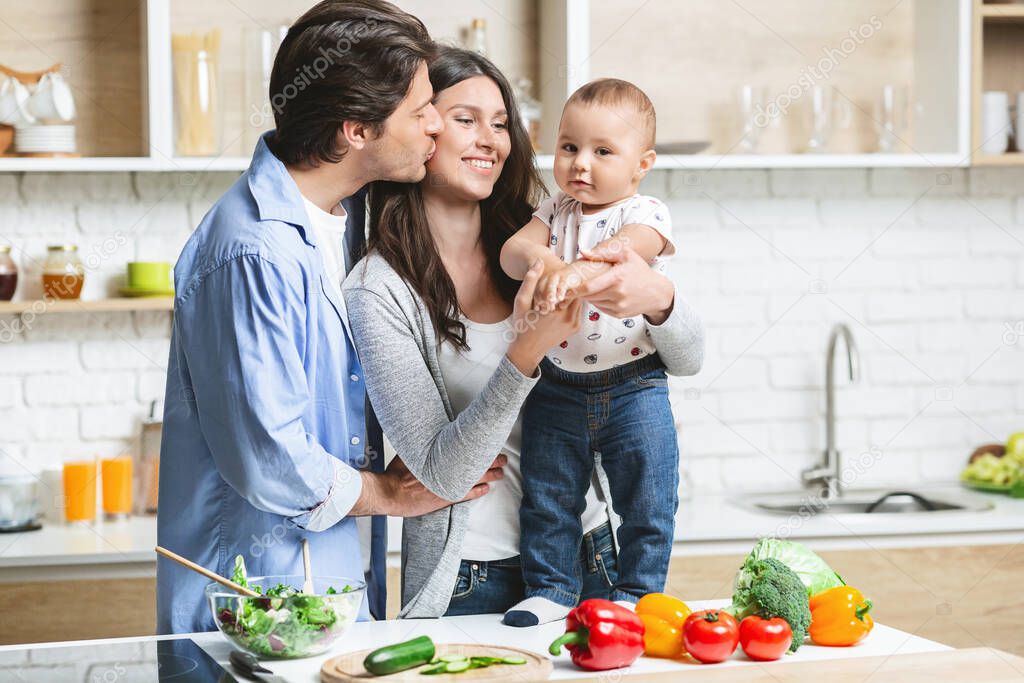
601, 635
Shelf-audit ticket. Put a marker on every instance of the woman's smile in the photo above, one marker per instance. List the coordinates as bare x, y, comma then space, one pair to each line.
481, 165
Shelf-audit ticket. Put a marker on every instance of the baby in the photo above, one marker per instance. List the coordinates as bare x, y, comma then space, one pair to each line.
604, 389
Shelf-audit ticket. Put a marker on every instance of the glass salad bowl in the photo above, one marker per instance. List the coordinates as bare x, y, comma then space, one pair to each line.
284, 623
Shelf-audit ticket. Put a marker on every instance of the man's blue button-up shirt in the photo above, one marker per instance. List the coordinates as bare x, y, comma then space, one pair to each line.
263, 431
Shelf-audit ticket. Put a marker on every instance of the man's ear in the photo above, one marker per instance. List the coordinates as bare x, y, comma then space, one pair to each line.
646, 163
354, 134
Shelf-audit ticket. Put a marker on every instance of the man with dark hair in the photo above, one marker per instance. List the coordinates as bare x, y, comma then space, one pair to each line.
263, 439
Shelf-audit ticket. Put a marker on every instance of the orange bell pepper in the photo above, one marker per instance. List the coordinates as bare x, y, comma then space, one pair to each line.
663, 617
839, 617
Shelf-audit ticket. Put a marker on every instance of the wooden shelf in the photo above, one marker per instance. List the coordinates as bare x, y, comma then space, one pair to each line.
767, 161
544, 162
42, 306
941, 60
733, 161
123, 164
1007, 159
1008, 13
997, 65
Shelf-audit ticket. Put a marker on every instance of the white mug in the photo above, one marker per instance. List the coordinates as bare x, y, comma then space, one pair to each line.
1019, 123
14, 103
995, 122
52, 99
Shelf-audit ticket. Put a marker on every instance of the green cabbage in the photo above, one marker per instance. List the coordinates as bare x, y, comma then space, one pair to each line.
813, 571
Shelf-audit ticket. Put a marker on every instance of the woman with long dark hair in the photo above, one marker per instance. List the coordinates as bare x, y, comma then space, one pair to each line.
450, 347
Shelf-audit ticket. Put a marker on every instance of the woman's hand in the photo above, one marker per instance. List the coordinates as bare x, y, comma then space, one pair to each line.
630, 288
535, 331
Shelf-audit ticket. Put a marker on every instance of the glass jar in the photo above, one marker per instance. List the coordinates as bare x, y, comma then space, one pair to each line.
8, 273
476, 40
530, 110
261, 46
63, 272
198, 111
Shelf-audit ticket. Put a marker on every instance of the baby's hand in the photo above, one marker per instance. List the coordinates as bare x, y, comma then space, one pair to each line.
554, 285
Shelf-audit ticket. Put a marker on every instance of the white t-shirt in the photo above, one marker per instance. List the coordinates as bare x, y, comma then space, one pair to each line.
493, 532
329, 229
602, 341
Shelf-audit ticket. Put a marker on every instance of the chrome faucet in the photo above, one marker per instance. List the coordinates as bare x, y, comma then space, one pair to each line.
827, 476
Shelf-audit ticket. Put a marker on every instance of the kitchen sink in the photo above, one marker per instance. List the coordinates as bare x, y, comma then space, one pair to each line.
865, 502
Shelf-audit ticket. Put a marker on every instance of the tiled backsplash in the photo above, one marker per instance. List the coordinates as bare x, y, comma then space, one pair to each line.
926, 266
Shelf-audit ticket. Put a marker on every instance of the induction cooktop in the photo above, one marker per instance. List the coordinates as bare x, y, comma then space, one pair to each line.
179, 660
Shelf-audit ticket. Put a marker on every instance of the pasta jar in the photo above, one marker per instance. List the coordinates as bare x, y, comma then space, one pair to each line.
63, 272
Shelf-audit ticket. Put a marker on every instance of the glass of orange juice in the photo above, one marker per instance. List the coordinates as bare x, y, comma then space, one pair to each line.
117, 487
80, 491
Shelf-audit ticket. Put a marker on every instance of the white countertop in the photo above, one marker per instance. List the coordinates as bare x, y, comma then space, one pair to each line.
717, 525
82, 550
704, 525
486, 629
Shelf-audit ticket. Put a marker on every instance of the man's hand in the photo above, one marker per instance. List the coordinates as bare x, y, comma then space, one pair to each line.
396, 492
630, 288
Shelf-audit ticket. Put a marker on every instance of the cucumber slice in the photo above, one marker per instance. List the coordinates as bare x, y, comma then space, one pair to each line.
454, 658
435, 669
456, 667
513, 660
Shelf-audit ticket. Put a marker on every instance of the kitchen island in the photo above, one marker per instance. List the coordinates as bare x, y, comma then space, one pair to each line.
883, 641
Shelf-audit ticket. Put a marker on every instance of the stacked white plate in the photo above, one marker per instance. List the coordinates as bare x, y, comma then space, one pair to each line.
44, 139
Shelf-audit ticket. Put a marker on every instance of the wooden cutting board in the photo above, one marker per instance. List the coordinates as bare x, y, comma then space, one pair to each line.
973, 665
349, 667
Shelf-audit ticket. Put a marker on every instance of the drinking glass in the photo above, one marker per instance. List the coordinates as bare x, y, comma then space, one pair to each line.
116, 474
750, 104
826, 111
80, 491
892, 113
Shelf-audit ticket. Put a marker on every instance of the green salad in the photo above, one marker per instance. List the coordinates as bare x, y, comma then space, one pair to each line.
285, 622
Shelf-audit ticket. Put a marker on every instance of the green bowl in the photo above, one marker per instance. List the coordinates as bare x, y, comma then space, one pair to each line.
149, 275
1014, 490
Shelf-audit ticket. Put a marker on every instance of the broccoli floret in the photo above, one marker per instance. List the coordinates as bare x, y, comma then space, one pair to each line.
774, 590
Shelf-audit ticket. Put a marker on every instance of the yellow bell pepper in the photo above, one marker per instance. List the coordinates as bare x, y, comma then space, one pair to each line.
663, 617
839, 617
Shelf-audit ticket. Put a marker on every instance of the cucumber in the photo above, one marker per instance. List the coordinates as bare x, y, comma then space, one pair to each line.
400, 656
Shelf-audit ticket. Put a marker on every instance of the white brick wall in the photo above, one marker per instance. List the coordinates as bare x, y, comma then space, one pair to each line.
926, 266
77, 385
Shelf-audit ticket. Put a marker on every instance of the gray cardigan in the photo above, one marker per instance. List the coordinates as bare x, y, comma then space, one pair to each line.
449, 453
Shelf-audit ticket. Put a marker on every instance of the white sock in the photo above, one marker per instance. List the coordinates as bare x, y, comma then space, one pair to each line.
533, 611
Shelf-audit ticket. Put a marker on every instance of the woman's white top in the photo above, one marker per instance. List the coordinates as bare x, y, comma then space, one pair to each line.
493, 532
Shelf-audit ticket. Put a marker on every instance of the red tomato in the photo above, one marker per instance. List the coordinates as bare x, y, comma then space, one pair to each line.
711, 635
765, 640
